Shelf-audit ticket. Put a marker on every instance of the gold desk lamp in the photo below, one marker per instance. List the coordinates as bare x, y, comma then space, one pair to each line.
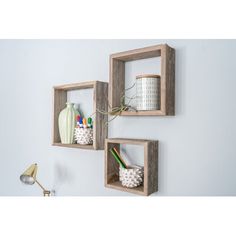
29, 177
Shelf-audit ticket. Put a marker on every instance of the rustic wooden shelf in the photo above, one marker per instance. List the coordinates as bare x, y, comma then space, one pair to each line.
150, 183
100, 93
117, 78
74, 146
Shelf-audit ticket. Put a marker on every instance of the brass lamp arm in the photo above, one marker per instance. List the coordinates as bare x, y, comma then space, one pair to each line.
40, 185
45, 192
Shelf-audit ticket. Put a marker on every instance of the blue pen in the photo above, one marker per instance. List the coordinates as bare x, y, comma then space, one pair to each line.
81, 122
77, 119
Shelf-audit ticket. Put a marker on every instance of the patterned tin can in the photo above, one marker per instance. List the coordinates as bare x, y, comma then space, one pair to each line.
148, 92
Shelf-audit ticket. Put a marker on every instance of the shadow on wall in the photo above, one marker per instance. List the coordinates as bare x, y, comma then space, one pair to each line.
61, 176
180, 84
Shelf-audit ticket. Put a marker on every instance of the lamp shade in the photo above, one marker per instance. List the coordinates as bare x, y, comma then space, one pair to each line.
29, 176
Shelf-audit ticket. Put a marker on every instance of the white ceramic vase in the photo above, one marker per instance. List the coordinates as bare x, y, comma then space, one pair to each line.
67, 123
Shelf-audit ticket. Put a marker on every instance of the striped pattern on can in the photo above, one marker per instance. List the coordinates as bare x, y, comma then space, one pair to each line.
148, 92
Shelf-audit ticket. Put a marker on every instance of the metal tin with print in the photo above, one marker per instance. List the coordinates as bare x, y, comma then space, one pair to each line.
148, 92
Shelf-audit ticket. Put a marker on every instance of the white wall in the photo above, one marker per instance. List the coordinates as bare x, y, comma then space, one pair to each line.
197, 146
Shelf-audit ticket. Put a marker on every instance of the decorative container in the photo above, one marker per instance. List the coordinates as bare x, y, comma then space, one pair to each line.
84, 136
67, 123
148, 92
131, 177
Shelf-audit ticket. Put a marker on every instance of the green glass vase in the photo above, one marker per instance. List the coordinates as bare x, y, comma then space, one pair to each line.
67, 123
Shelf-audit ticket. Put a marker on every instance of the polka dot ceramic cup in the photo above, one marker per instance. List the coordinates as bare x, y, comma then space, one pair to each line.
131, 177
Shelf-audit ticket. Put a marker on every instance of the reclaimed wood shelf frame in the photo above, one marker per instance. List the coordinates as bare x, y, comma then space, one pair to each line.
117, 78
150, 182
100, 93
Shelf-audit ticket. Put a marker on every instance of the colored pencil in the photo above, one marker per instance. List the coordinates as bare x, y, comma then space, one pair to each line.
117, 158
122, 160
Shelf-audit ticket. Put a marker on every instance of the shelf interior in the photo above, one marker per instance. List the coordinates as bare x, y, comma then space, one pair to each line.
117, 185
142, 113
74, 145
118, 82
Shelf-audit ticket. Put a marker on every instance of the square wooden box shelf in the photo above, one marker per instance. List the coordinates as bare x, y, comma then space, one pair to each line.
167, 90
100, 93
150, 182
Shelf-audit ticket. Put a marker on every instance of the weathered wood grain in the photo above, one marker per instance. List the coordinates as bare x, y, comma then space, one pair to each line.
167, 87
100, 101
151, 167
129, 141
117, 185
74, 146
111, 166
138, 54
116, 82
170, 81
143, 113
150, 183
76, 86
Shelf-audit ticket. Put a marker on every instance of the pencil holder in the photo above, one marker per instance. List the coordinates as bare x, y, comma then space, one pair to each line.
131, 177
83, 136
